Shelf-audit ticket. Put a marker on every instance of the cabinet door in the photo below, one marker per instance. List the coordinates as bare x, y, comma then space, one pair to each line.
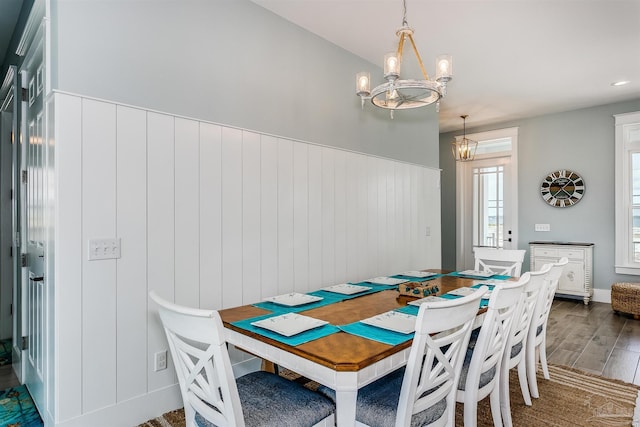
572, 278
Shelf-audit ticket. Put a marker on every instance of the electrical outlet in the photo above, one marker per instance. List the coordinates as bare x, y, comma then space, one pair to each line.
160, 361
543, 227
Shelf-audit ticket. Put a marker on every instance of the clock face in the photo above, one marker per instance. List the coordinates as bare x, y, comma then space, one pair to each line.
562, 188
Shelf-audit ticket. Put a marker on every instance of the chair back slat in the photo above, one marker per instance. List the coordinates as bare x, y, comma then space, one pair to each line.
547, 293
494, 332
435, 360
499, 261
200, 355
525, 314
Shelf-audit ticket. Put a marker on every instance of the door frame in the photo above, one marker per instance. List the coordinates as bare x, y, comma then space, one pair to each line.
464, 196
13, 210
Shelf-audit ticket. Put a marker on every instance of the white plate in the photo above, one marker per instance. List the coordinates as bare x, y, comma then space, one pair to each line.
393, 321
386, 280
463, 292
346, 288
475, 273
418, 273
430, 298
293, 299
289, 324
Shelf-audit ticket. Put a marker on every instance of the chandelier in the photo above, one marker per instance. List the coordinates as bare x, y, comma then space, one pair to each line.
464, 149
400, 94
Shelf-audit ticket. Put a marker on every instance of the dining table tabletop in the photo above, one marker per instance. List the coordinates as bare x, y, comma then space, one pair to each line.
343, 353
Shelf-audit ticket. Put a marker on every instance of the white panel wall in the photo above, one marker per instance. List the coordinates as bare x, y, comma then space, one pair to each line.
131, 286
208, 216
99, 297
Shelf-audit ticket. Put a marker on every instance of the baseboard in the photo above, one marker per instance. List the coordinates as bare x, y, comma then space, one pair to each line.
131, 412
602, 295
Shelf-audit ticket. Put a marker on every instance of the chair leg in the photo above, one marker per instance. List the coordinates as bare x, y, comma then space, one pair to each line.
543, 358
532, 367
524, 384
505, 401
190, 416
470, 410
494, 397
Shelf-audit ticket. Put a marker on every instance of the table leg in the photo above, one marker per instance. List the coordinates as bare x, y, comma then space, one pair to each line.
346, 407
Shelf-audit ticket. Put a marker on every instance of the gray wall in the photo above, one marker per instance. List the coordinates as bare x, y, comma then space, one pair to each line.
581, 140
230, 62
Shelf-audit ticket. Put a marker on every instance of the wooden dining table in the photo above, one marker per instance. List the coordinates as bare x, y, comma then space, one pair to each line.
341, 360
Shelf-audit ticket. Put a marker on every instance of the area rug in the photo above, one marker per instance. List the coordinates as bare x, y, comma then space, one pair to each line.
5, 352
569, 398
17, 408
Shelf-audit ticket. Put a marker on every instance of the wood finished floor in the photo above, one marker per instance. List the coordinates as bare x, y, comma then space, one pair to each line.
594, 339
590, 338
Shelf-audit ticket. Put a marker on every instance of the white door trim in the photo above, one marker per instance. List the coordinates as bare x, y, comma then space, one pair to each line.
463, 175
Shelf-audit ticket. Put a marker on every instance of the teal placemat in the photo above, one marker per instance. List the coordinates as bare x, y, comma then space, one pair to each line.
301, 338
417, 279
342, 297
409, 309
494, 277
488, 285
375, 286
483, 302
281, 309
376, 334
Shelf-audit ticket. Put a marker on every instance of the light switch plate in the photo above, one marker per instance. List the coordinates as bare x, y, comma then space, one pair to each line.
104, 249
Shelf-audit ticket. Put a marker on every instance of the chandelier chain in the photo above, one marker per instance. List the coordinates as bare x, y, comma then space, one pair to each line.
404, 15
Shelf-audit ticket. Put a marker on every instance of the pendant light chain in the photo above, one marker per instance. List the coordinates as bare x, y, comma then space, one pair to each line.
404, 15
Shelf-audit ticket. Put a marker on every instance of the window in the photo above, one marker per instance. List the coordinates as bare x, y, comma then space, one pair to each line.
627, 193
488, 203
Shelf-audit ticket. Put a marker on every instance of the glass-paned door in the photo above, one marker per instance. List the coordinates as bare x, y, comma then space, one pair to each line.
488, 206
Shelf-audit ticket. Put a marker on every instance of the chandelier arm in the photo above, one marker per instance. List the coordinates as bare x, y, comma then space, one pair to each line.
415, 50
400, 49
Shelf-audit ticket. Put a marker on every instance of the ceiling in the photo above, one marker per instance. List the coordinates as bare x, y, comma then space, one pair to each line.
511, 58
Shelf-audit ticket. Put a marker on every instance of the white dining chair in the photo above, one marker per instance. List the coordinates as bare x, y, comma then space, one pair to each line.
210, 393
499, 261
514, 353
536, 348
423, 392
481, 368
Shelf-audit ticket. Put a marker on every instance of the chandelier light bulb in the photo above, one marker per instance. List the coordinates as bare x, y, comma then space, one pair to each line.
362, 83
444, 68
391, 66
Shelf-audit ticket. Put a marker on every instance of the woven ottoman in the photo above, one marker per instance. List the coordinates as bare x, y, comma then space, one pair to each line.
625, 298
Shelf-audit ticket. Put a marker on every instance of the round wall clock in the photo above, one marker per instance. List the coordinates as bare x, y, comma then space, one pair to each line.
562, 188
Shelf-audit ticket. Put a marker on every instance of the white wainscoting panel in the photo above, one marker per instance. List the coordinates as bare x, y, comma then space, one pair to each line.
187, 212
68, 257
131, 274
210, 166
160, 256
209, 216
99, 309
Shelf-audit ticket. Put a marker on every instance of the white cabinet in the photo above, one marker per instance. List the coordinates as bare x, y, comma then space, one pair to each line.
577, 277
